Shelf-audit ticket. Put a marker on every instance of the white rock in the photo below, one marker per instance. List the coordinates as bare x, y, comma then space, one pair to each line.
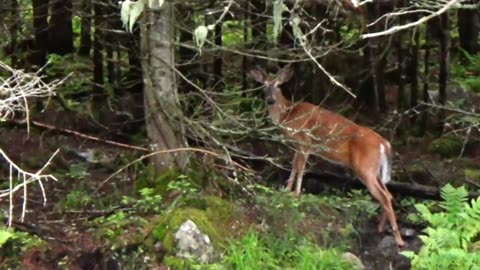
191, 243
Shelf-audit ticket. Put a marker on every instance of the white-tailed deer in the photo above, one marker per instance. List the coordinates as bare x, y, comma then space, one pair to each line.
317, 131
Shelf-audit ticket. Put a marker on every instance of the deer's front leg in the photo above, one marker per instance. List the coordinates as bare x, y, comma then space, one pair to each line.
300, 169
291, 179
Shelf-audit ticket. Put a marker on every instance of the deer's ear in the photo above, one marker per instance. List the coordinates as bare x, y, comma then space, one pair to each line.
285, 75
258, 75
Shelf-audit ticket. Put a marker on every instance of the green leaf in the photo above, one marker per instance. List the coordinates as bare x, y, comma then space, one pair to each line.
4, 236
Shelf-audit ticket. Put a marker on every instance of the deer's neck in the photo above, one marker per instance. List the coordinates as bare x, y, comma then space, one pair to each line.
280, 109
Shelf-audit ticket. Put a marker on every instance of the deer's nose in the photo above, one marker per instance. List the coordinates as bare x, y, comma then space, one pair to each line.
270, 101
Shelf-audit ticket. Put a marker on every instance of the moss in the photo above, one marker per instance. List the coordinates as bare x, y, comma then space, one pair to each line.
176, 263
446, 146
218, 208
472, 174
167, 226
158, 182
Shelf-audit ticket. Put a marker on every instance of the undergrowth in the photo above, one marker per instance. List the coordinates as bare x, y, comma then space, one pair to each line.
452, 240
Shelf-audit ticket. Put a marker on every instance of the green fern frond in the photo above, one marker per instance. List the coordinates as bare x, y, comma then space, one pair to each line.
449, 241
453, 199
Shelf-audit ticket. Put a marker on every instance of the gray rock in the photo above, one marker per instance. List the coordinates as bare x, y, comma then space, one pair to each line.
191, 243
388, 246
352, 258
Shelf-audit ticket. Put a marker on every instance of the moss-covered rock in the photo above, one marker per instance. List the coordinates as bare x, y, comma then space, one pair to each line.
446, 146
212, 216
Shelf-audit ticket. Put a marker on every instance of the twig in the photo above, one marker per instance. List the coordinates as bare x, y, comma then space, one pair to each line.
84, 136
467, 137
472, 182
27, 179
412, 24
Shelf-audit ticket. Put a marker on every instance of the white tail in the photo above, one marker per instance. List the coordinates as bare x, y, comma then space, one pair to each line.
317, 131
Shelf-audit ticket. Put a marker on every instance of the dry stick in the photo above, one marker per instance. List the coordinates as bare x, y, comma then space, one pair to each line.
412, 24
467, 137
165, 152
84, 136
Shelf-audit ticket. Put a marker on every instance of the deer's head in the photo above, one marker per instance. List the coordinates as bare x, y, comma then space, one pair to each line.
272, 85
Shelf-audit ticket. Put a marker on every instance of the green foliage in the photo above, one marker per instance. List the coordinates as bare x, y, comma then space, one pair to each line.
452, 239
78, 171
4, 236
149, 178
256, 251
446, 146
410, 202
233, 33
148, 202
350, 35
76, 84
76, 199
14, 243
466, 71
279, 209
119, 229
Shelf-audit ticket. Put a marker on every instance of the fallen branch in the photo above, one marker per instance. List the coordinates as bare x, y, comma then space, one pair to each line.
84, 136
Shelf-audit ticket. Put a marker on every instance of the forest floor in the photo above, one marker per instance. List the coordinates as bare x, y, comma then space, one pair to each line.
87, 223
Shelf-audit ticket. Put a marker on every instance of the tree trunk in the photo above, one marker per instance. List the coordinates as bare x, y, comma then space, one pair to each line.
40, 25
426, 68
468, 29
97, 52
414, 72
443, 72
13, 29
86, 28
217, 60
162, 112
60, 28
134, 62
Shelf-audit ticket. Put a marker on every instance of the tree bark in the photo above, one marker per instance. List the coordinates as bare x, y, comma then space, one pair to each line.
162, 112
443, 72
468, 29
60, 28
414, 72
86, 28
40, 25
97, 52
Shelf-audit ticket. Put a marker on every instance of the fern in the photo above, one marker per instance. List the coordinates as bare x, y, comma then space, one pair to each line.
452, 239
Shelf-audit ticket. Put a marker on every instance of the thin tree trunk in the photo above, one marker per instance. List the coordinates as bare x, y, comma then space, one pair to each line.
97, 51
162, 112
13, 29
443, 72
40, 25
426, 67
86, 28
218, 61
414, 72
